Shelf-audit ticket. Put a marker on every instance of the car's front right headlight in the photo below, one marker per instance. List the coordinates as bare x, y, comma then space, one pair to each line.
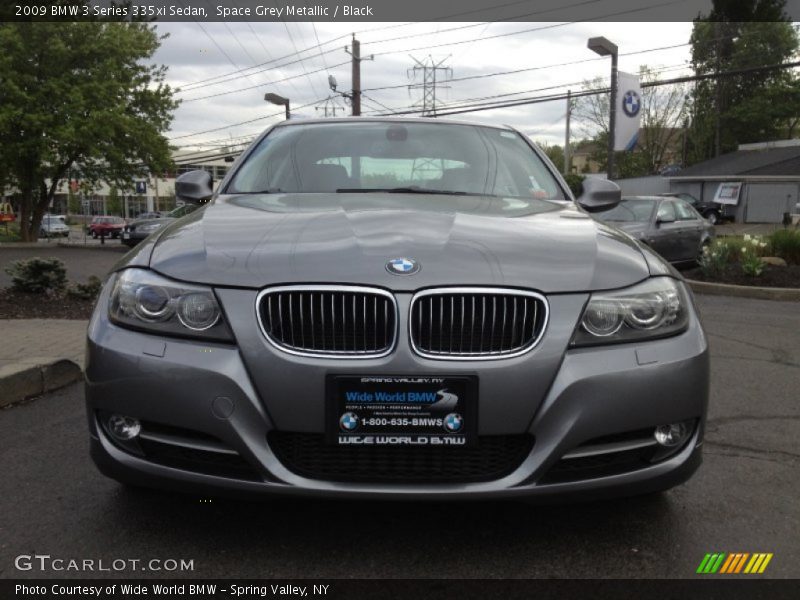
655, 308
142, 299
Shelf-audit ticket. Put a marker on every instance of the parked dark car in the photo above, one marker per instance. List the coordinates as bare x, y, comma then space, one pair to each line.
396, 308
712, 211
137, 230
106, 227
149, 215
670, 226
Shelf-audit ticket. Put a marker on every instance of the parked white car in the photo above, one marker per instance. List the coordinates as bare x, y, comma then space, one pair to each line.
53, 225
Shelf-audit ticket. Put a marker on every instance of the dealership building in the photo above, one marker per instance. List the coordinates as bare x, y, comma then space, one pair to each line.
765, 175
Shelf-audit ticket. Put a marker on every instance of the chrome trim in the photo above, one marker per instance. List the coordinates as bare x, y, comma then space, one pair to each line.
181, 442
344, 354
598, 449
478, 290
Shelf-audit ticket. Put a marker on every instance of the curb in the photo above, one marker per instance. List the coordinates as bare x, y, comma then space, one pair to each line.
18, 382
744, 291
115, 246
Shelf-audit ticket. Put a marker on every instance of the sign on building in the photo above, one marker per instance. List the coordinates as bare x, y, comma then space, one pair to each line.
141, 187
728, 193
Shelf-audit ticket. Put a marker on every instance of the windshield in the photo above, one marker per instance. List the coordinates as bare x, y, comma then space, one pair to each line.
630, 210
352, 157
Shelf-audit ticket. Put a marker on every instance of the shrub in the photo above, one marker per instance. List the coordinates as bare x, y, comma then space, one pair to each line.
86, 291
716, 257
38, 275
750, 255
575, 183
786, 244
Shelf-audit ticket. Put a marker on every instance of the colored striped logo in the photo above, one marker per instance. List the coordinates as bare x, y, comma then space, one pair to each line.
734, 563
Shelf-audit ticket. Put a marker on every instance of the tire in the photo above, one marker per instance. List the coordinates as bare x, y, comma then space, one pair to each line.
94, 234
713, 217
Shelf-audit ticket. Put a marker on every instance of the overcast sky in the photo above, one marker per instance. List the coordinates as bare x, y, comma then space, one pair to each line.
194, 53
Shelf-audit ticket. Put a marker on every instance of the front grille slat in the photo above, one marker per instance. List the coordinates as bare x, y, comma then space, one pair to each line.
464, 323
346, 321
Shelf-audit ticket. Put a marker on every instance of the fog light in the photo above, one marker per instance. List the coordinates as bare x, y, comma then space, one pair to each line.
124, 428
673, 434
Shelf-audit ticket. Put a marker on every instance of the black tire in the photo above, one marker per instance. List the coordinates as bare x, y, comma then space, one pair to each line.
94, 234
712, 217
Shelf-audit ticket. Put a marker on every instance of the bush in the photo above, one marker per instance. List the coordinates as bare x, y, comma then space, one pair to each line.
750, 254
786, 244
86, 291
716, 257
575, 183
38, 275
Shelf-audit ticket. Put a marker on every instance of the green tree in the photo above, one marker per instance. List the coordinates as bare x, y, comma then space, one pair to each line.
751, 107
113, 204
556, 154
84, 95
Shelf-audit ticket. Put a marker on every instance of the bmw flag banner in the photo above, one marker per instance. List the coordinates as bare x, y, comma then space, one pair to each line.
629, 111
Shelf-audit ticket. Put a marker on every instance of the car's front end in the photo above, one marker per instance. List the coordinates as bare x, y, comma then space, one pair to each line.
384, 345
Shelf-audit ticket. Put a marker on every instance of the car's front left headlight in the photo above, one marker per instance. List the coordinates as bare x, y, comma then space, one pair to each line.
655, 308
150, 227
142, 299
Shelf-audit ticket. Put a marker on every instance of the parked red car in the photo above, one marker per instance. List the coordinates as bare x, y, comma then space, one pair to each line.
106, 226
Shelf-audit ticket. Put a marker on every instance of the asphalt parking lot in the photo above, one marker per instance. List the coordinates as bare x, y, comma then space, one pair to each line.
743, 499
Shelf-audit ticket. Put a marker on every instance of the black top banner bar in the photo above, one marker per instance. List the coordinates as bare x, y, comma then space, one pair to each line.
364, 10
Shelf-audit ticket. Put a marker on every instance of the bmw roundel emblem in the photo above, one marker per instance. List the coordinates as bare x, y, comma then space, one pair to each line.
348, 421
631, 103
403, 266
453, 422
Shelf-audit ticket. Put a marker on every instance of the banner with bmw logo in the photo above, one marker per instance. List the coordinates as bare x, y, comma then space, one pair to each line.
629, 112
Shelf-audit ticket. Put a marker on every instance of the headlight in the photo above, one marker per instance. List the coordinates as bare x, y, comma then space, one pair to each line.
150, 227
655, 308
143, 300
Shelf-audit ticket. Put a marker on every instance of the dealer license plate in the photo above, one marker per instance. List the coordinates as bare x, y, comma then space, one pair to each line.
402, 410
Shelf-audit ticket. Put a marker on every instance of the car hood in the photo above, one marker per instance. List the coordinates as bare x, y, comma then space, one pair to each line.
260, 240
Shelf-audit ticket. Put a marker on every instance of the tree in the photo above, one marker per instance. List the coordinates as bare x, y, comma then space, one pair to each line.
83, 97
113, 204
662, 115
556, 154
751, 107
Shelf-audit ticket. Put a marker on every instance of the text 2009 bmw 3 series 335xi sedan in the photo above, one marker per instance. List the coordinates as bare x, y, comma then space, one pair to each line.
401, 309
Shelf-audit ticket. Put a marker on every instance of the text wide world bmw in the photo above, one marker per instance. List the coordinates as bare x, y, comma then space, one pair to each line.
399, 308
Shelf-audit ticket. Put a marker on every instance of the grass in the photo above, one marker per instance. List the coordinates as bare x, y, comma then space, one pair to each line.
786, 244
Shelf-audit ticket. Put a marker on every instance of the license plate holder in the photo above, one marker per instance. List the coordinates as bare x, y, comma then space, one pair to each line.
396, 410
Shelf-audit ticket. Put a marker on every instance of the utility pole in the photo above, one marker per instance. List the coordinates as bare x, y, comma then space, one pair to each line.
355, 98
566, 136
429, 84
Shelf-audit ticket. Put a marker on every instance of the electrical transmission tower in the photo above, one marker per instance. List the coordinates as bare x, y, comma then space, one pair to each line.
429, 70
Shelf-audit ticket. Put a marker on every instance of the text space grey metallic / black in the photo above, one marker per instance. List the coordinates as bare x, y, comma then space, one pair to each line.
398, 308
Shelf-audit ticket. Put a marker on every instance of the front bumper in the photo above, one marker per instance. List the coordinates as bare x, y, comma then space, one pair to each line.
213, 389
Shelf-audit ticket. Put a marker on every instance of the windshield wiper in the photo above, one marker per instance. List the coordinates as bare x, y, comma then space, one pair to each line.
412, 189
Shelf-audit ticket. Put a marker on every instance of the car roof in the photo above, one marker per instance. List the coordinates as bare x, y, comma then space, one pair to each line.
396, 119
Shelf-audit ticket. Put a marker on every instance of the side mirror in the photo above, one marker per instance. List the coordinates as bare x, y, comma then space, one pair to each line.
660, 220
599, 194
194, 187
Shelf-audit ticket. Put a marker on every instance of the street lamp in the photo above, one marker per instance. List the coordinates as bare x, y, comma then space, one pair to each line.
603, 47
279, 100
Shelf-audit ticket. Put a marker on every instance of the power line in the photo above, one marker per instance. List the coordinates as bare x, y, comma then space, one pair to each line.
231, 125
252, 87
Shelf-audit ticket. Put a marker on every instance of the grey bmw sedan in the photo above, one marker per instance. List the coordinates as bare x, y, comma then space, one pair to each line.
398, 308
